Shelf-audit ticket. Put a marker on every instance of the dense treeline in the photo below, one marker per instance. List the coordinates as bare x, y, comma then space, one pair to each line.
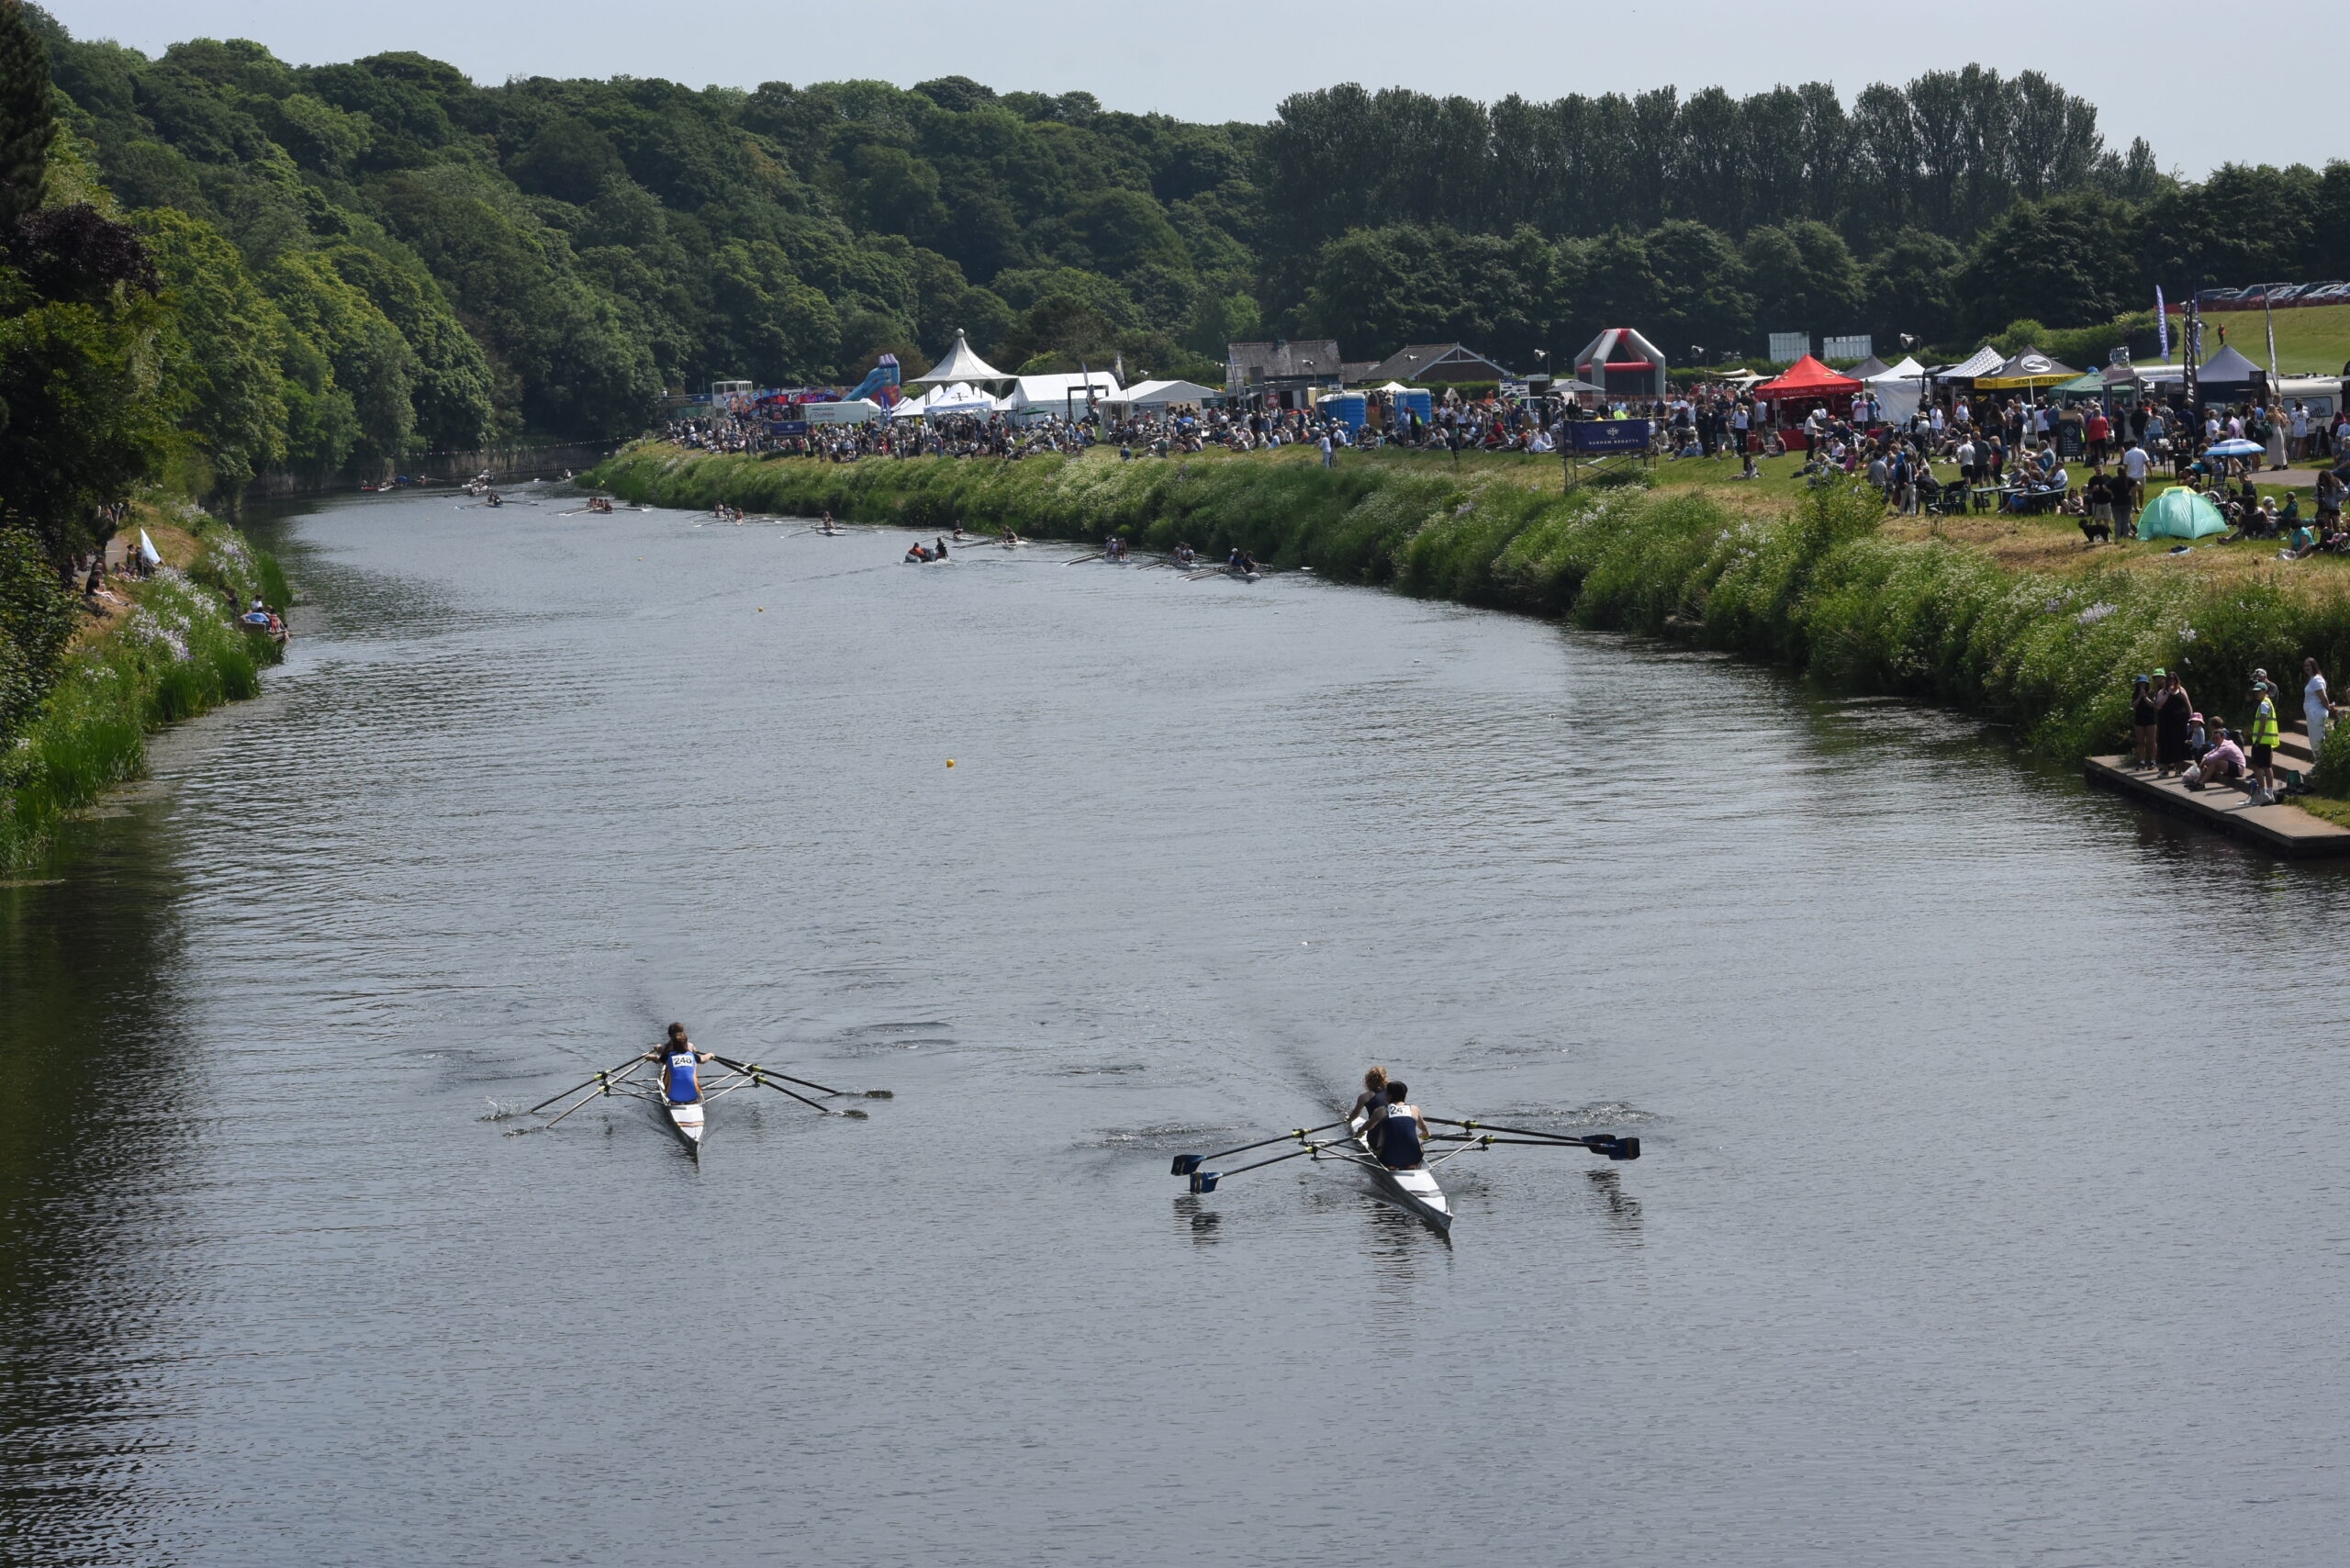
373, 259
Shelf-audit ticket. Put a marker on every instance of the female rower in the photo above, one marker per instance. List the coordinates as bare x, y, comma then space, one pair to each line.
1371, 1104
680, 1064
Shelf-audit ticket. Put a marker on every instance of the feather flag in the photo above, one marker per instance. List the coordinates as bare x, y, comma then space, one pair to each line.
2271, 314
2162, 321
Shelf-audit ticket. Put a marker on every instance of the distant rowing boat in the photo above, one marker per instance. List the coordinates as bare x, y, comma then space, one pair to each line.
688, 1119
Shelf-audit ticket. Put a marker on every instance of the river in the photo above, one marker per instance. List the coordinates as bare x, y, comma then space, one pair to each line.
1990, 1210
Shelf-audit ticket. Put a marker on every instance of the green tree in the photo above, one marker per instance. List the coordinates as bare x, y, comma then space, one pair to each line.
1912, 287
2065, 262
221, 359
27, 122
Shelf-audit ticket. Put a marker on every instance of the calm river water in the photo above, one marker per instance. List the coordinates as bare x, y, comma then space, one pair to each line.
1992, 1210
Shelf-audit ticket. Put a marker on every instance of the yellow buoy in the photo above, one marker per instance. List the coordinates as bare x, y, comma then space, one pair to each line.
950, 762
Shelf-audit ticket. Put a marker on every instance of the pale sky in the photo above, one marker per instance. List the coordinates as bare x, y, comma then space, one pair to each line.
1215, 59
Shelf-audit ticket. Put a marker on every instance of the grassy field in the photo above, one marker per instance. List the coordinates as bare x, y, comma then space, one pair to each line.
2316, 342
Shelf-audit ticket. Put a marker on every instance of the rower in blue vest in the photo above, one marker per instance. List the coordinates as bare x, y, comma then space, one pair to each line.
1401, 1131
680, 1066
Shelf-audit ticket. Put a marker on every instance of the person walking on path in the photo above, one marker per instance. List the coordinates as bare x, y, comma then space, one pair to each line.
2173, 710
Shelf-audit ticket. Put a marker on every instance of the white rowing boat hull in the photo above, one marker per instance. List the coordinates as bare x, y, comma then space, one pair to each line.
1415, 1189
684, 1120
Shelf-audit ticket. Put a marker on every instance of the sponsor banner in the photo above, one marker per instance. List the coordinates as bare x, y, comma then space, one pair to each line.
1609, 435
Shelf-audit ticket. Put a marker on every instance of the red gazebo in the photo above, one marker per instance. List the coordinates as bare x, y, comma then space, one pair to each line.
1805, 381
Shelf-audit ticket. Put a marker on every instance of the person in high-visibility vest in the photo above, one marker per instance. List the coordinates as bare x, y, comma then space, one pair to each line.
2263, 732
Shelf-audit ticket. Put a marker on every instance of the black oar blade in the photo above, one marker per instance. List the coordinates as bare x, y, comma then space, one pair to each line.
1203, 1180
1615, 1148
1185, 1164
880, 1094
856, 1116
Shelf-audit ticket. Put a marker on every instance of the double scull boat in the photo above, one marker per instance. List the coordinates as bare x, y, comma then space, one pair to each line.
1413, 1188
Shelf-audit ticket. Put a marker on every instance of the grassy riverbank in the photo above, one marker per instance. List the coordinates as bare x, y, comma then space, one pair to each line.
168, 650
1991, 617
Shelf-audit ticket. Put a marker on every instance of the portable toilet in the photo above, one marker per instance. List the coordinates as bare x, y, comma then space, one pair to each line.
1349, 408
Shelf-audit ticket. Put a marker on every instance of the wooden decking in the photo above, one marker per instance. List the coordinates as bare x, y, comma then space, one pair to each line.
2281, 829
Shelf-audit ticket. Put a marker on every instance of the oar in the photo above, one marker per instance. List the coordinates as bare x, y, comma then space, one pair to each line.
605, 1088
1607, 1144
1185, 1164
841, 1093
1082, 559
761, 1077
1205, 1180
577, 1087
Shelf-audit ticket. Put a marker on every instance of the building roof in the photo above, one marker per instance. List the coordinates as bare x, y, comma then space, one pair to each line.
1284, 359
1355, 371
1435, 362
961, 363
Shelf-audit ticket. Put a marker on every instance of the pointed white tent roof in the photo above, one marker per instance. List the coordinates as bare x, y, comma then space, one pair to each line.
1907, 370
961, 363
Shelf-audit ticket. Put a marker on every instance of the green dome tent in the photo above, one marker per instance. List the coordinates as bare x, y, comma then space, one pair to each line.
2181, 513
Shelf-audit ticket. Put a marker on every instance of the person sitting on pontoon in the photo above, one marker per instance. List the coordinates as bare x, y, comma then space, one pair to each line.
680, 1066
1400, 1131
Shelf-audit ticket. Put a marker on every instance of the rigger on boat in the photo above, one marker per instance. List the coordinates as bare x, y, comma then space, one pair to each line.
1388, 1135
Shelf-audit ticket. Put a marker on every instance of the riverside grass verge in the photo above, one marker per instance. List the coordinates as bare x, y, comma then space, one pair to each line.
178, 652
1821, 581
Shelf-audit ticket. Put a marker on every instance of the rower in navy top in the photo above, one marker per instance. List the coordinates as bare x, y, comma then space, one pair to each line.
680, 1065
1401, 1132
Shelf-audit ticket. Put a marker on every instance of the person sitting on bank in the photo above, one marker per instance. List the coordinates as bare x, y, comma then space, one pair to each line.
2222, 764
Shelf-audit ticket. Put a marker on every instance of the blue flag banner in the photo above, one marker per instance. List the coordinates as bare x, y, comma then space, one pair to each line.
2162, 321
1610, 435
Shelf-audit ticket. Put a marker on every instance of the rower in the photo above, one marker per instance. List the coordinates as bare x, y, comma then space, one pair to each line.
680, 1077
1401, 1131
1371, 1105
940, 553
1010, 537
